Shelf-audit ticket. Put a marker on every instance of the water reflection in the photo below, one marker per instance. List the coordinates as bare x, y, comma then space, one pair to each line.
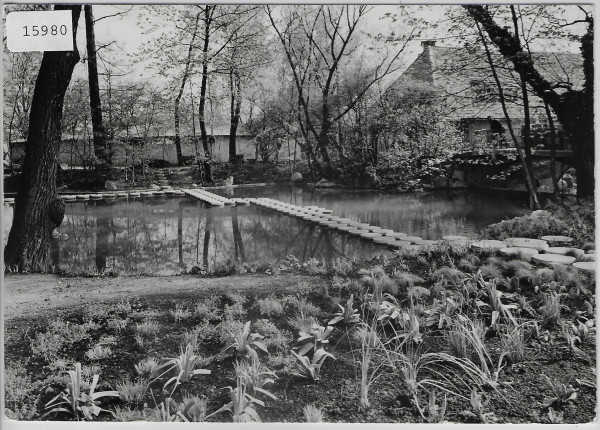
171, 235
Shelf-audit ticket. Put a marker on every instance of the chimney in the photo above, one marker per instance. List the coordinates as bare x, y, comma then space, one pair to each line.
426, 43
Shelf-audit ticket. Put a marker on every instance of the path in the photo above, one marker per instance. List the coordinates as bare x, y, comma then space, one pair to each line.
42, 294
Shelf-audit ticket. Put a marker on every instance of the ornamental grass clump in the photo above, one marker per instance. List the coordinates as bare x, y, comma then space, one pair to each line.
512, 341
269, 307
371, 359
208, 309
132, 392
434, 413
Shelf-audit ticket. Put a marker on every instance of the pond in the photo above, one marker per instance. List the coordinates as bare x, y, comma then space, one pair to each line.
166, 235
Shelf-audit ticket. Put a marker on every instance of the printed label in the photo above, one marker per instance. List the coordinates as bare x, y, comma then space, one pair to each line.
42, 30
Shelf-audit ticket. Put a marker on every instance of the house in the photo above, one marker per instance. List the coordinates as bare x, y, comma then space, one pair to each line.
460, 82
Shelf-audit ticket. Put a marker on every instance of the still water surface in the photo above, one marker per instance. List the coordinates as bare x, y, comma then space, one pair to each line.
165, 235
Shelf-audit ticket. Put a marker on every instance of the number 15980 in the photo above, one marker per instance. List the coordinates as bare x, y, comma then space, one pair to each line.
44, 30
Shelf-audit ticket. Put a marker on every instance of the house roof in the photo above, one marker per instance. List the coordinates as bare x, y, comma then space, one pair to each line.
462, 79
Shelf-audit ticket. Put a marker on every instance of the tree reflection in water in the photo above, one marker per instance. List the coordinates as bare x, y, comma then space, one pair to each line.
169, 236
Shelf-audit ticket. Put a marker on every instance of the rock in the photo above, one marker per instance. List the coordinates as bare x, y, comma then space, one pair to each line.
489, 245
587, 266
154, 187
296, 177
524, 242
326, 183
458, 175
557, 239
539, 214
551, 259
110, 186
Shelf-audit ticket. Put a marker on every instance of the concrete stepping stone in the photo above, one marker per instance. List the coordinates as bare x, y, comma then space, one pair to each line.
590, 251
68, 198
564, 250
557, 239
428, 243
455, 238
524, 242
586, 266
122, 194
397, 235
147, 193
384, 231
369, 235
83, 197
399, 244
413, 239
488, 245
134, 194
523, 253
551, 259
383, 239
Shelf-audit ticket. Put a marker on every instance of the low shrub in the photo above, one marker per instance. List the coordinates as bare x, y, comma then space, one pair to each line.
533, 225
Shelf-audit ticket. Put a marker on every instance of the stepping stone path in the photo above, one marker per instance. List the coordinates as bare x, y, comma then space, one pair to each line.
523, 242
552, 259
522, 253
557, 239
488, 245
587, 266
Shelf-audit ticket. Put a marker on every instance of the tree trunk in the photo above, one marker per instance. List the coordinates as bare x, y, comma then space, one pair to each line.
237, 235
235, 86
201, 106
184, 78
103, 221
101, 150
37, 210
529, 180
552, 150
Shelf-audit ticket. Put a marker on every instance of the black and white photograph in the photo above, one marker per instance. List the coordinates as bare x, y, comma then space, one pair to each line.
298, 213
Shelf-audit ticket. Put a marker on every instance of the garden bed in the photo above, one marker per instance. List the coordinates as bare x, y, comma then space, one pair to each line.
445, 336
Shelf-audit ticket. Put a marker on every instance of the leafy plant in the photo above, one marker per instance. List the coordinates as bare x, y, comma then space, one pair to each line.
241, 406
561, 388
180, 313
348, 315
494, 303
77, 403
315, 339
184, 366
146, 367
312, 414
98, 352
254, 375
434, 413
310, 369
477, 409
245, 341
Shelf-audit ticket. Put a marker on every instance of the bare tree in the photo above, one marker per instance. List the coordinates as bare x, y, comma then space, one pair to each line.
573, 108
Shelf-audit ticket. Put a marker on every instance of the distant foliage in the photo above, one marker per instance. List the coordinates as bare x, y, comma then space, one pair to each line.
533, 225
